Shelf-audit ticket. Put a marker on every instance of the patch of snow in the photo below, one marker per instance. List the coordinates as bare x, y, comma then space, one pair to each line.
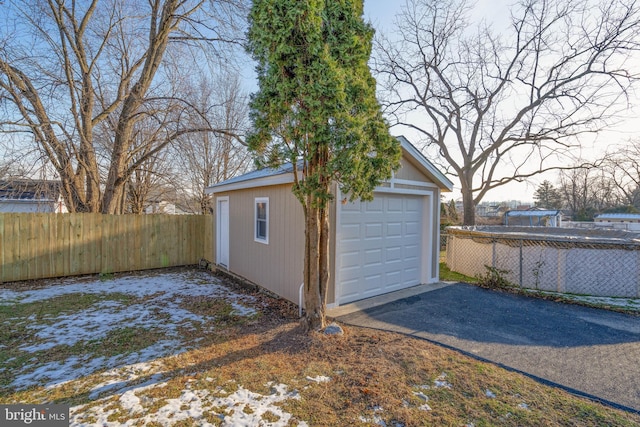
160, 311
620, 302
490, 394
131, 403
241, 408
56, 373
440, 382
319, 379
421, 395
120, 378
376, 419
523, 406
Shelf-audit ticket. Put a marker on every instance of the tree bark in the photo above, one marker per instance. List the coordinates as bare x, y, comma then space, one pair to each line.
468, 202
313, 301
468, 209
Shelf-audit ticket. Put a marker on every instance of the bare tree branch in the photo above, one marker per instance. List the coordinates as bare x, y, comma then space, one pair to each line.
89, 80
504, 107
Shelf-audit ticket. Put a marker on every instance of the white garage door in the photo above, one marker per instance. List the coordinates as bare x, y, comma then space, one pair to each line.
378, 246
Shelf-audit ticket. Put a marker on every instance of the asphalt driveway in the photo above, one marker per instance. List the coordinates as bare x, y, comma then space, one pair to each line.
592, 352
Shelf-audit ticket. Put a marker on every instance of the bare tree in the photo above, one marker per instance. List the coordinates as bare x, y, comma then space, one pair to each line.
586, 192
622, 167
209, 158
68, 68
504, 107
575, 187
149, 181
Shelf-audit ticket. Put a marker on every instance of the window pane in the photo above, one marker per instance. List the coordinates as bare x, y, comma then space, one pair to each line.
261, 229
261, 210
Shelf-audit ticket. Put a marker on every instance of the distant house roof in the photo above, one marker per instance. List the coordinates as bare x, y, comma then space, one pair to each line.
29, 189
534, 213
284, 175
634, 216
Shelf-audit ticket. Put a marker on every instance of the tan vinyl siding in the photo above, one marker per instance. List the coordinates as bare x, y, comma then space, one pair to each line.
278, 265
410, 172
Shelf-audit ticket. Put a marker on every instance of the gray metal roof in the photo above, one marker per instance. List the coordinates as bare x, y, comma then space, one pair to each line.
440, 179
618, 216
534, 213
257, 174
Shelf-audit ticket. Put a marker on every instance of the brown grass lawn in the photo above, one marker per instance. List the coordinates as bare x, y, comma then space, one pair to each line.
264, 368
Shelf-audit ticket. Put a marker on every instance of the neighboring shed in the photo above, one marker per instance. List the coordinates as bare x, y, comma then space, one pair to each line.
620, 221
30, 196
617, 217
376, 247
534, 217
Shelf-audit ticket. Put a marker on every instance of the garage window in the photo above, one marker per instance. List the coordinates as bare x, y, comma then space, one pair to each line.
261, 210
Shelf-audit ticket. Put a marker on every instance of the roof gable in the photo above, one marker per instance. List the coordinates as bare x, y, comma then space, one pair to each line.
284, 173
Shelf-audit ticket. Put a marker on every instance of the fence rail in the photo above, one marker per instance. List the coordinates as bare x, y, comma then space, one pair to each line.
582, 266
35, 246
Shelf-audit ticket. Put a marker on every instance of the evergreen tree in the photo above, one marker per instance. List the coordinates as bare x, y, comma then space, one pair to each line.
547, 196
316, 108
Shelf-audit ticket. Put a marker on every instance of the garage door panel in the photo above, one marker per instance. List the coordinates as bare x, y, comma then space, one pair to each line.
351, 291
410, 258
350, 260
393, 254
394, 276
350, 232
394, 229
384, 255
372, 257
376, 205
373, 230
408, 276
412, 229
354, 206
395, 204
413, 204
374, 281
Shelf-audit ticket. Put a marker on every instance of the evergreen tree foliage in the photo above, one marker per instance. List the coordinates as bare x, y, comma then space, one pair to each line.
547, 196
316, 108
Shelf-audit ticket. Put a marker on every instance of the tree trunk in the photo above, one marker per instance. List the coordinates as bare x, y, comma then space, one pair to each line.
468, 204
316, 266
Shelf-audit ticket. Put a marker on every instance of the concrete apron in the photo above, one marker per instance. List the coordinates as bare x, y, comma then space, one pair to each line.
384, 299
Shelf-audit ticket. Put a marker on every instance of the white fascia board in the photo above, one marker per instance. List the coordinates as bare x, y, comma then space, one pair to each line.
285, 178
388, 190
414, 183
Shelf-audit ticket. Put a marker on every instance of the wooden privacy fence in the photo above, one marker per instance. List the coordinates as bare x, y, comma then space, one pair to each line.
36, 246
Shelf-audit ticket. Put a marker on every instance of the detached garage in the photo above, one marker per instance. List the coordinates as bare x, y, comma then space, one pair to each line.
377, 247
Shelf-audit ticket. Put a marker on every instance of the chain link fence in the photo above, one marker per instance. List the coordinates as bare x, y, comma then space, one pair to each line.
602, 264
443, 241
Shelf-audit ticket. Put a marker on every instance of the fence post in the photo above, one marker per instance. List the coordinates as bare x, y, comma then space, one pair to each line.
520, 262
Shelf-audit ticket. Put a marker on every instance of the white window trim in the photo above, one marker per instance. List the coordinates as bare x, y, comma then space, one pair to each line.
255, 220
